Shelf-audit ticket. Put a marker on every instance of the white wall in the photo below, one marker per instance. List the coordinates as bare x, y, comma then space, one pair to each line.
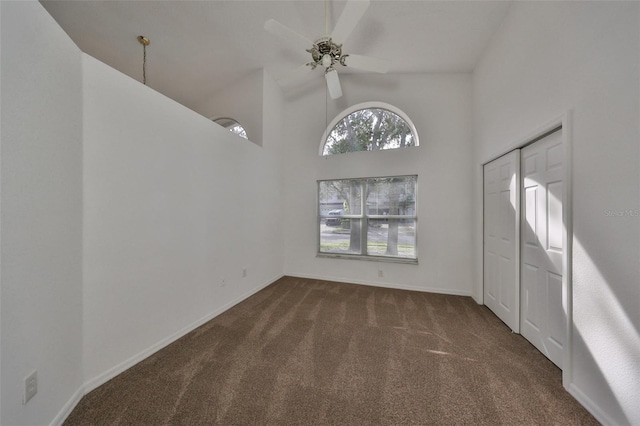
174, 205
548, 58
242, 101
175, 208
41, 222
440, 107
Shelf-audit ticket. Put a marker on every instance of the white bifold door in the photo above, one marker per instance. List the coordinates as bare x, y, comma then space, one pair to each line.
502, 238
523, 242
542, 314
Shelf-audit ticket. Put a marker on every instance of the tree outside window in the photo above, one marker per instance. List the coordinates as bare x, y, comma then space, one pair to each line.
372, 128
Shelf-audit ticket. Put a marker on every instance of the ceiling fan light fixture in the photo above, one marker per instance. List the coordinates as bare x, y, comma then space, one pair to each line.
325, 52
326, 60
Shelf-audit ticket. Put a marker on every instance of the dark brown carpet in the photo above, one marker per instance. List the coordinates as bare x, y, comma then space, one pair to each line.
304, 352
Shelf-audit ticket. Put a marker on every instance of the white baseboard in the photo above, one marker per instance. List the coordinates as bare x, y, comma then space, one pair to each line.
590, 406
125, 365
382, 284
68, 407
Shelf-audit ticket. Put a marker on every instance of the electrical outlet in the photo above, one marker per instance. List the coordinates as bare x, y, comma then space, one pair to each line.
380, 273
244, 272
223, 283
30, 386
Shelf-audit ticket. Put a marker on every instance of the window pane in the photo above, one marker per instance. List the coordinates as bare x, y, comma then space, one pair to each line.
342, 238
391, 232
392, 237
340, 197
239, 130
369, 129
392, 195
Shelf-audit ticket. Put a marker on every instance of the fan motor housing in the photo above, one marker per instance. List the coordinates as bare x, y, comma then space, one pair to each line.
325, 46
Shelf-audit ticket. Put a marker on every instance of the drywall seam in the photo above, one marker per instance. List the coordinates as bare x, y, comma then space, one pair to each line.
372, 283
125, 365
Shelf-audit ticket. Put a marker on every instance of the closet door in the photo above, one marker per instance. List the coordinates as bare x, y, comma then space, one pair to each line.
501, 238
543, 318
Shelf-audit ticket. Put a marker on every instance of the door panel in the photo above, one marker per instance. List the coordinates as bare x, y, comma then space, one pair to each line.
542, 316
554, 215
529, 280
501, 238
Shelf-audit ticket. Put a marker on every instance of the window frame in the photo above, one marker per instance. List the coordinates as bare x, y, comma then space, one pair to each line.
367, 105
364, 217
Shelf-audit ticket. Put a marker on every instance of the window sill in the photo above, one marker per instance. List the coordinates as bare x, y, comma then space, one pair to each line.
370, 258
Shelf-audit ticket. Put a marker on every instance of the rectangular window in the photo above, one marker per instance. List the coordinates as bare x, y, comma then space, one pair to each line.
368, 218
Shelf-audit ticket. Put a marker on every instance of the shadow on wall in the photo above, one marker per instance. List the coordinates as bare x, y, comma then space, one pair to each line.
613, 338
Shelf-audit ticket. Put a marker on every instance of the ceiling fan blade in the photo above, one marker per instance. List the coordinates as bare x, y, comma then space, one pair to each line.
367, 63
333, 84
353, 11
287, 34
294, 75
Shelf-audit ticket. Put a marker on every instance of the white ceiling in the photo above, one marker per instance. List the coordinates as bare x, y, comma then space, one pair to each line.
199, 47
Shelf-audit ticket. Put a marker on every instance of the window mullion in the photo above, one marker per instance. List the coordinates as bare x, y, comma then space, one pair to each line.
364, 230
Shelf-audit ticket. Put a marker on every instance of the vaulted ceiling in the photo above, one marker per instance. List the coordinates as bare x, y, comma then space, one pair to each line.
199, 47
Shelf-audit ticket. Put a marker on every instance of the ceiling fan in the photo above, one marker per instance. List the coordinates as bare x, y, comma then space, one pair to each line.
326, 51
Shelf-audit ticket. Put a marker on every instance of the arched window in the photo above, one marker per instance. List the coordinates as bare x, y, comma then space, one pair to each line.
232, 125
370, 126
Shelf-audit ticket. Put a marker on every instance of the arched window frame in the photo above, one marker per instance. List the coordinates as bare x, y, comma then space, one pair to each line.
361, 106
230, 123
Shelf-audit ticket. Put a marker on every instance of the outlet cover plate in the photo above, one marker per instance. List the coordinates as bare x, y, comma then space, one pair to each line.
30, 386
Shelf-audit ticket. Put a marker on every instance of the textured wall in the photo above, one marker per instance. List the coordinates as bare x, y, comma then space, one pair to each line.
439, 105
175, 208
549, 58
41, 222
